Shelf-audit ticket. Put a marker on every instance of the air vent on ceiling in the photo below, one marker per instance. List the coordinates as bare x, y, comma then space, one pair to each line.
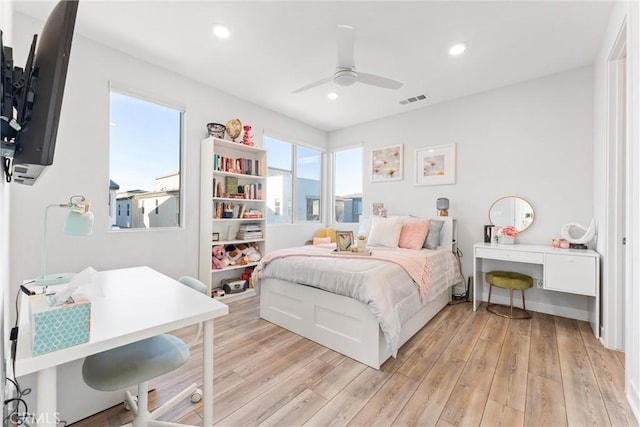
413, 99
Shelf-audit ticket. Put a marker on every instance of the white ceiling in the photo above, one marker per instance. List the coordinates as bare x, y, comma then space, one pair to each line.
276, 47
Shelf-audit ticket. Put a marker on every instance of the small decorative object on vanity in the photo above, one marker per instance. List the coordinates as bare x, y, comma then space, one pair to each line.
488, 233
578, 235
506, 235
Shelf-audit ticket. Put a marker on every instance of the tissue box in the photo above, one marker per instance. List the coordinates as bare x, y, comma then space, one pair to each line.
53, 328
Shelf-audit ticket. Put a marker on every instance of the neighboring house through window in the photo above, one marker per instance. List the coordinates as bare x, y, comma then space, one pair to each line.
145, 158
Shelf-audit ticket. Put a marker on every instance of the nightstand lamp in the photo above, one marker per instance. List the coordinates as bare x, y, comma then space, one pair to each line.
79, 222
442, 205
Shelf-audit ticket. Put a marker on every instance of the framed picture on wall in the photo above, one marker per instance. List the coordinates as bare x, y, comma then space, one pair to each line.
386, 163
344, 241
436, 165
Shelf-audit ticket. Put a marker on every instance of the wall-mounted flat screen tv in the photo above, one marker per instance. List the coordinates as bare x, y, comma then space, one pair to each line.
36, 141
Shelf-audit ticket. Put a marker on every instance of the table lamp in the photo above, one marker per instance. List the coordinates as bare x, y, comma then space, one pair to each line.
442, 205
79, 222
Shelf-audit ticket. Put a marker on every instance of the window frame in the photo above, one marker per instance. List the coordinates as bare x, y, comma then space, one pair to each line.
294, 176
144, 95
334, 151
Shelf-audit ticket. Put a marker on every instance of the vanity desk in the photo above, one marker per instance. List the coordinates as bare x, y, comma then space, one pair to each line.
558, 274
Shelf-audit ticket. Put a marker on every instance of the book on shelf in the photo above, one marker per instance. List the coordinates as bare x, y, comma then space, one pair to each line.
239, 165
217, 188
234, 210
230, 184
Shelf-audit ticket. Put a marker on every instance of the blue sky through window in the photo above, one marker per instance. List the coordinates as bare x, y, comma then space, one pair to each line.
144, 142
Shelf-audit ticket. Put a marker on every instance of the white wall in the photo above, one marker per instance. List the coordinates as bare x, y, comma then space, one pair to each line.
81, 165
531, 140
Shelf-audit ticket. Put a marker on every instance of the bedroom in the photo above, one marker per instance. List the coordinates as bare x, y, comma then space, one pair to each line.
490, 141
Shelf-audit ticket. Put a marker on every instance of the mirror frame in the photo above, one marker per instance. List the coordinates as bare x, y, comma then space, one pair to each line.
513, 197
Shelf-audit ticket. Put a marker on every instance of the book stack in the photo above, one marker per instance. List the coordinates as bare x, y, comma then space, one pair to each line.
252, 213
252, 231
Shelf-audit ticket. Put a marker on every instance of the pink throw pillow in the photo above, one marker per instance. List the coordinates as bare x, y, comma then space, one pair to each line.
321, 240
413, 233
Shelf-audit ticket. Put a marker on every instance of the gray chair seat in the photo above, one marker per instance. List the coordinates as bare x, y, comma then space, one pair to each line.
134, 363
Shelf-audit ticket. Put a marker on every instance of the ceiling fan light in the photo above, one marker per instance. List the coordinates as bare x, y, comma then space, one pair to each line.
345, 77
221, 32
457, 49
332, 96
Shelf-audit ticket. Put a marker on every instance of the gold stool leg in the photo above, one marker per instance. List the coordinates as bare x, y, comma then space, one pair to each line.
490, 287
524, 307
511, 301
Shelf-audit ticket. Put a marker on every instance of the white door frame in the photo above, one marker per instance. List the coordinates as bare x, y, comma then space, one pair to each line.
617, 187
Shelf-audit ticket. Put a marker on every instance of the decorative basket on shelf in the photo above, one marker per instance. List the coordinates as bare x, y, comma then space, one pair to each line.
216, 130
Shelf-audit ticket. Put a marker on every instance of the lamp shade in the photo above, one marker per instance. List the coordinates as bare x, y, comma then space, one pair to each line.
442, 204
78, 224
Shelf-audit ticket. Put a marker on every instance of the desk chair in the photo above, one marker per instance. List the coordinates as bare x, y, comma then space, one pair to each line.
138, 363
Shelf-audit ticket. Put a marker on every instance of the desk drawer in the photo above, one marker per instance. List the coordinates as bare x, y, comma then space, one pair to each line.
570, 273
510, 255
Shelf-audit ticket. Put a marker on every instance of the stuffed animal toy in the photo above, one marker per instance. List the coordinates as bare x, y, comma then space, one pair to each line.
217, 255
233, 256
252, 253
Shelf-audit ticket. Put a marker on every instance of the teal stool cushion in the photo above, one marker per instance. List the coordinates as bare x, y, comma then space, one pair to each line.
509, 280
134, 363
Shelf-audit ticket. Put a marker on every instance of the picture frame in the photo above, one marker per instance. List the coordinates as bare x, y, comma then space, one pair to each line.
344, 241
215, 237
436, 165
387, 163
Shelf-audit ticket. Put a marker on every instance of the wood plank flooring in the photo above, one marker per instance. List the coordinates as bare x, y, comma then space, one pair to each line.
463, 368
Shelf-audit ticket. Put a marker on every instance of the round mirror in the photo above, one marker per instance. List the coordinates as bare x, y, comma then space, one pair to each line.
511, 210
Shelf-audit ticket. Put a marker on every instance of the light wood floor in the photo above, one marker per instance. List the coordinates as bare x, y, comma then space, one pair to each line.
463, 368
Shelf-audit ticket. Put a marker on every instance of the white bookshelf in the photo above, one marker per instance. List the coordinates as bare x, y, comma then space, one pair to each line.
213, 202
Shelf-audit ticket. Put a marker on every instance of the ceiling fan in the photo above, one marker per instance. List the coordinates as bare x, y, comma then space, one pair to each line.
346, 74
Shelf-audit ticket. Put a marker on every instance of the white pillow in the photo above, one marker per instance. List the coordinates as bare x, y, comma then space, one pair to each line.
385, 231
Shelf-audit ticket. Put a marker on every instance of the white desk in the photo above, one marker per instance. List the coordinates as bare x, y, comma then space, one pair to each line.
137, 303
572, 271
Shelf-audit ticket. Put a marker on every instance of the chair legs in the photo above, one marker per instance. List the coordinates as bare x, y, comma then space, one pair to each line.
144, 418
500, 310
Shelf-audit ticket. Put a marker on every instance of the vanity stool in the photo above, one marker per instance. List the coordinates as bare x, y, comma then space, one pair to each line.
509, 280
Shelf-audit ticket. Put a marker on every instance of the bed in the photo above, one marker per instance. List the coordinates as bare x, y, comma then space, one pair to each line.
311, 292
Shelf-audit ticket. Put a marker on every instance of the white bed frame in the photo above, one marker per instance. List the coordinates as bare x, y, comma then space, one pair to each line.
341, 323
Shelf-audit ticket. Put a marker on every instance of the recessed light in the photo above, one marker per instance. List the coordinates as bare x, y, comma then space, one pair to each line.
332, 95
221, 31
457, 49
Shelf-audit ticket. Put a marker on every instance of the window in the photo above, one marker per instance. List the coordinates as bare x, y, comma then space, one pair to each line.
347, 187
294, 188
308, 183
145, 148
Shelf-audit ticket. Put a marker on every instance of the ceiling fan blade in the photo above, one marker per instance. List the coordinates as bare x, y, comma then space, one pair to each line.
372, 79
345, 46
314, 84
